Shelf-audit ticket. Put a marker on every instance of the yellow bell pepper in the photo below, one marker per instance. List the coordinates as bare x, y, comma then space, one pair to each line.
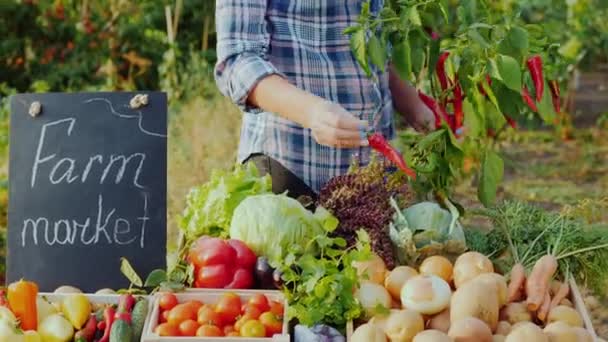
76, 308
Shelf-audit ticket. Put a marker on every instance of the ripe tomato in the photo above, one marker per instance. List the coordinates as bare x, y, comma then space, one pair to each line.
229, 307
180, 313
167, 301
228, 329
277, 308
253, 328
260, 301
233, 334
251, 311
166, 329
241, 321
196, 304
207, 316
272, 323
209, 330
164, 316
188, 328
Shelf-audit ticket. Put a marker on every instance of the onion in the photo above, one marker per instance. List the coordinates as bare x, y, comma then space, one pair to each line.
371, 295
427, 294
403, 325
397, 278
432, 336
373, 270
439, 266
469, 265
368, 333
470, 329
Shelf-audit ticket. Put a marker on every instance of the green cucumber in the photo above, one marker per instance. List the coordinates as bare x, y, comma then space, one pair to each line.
121, 331
138, 318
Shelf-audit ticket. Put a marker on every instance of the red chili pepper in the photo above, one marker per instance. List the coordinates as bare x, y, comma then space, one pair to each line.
535, 66
480, 87
511, 122
555, 95
434, 35
108, 316
379, 143
438, 111
528, 99
440, 70
458, 112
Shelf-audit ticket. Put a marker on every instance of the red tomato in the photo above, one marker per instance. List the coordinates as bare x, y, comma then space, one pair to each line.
209, 330
229, 307
166, 329
164, 316
207, 316
196, 304
241, 321
242, 279
215, 276
245, 258
212, 251
277, 308
272, 323
253, 328
233, 334
180, 313
167, 301
260, 301
228, 329
188, 328
251, 311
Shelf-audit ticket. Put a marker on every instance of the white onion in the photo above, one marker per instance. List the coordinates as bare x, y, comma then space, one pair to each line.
427, 294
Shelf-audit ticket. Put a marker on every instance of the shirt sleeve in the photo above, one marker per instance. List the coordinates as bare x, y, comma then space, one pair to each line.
243, 40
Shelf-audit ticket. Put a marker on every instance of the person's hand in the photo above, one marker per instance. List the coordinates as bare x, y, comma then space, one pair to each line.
333, 126
421, 118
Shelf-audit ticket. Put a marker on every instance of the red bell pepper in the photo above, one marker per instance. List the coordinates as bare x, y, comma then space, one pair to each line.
535, 66
222, 263
555, 95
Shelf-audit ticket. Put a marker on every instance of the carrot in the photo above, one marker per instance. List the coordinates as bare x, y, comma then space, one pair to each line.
539, 280
560, 295
518, 278
543, 312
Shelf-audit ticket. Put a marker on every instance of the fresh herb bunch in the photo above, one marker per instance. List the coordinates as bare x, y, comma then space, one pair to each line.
320, 288
523, 233
360, 199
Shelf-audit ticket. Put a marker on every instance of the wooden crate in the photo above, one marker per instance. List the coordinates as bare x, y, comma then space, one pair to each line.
97, 299
575, 296
212, 296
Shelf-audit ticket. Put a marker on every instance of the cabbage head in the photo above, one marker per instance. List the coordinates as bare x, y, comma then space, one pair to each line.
273, 225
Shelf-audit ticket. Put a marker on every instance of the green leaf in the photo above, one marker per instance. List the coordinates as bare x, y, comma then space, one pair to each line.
510, 72
387, 13
473, 121
545, 106
128, 271
155, 278
430, 139
376, 51
414, 17
357, 46
478, 38
444, 12
402, 60
417, 60
516, 43
351, 29
171, 286
492, 171
490, 94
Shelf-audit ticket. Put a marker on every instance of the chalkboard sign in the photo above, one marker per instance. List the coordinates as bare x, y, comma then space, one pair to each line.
87, 186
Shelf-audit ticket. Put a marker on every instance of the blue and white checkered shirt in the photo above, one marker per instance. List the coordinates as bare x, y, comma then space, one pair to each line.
303, 41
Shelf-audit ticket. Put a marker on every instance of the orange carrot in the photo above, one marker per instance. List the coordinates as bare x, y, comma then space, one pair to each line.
539, 280
518, 278
543, 312
560, 295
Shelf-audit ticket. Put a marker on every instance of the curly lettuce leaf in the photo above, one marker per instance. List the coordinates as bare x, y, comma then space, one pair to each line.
209, 207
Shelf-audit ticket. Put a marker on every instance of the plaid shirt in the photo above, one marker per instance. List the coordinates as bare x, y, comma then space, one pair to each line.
303, 41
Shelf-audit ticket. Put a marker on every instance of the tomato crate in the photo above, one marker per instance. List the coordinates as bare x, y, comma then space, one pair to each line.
96, 299
575, 297
212, 296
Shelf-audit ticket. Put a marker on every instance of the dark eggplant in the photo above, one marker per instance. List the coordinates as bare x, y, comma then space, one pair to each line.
264, 274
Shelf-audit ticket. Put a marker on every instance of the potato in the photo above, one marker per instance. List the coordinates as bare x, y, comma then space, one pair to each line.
528, 332
403, 325
565, 314
503, 328
582, 334
396, 279
499, 281
432, 336
515, 313
373, 270
440, 321
475, 299
439, 266
469, 265
368, 333
498, 338
560, 332
470, 329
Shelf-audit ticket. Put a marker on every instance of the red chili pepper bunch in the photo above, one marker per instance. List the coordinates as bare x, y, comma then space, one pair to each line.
455, 121
535, 67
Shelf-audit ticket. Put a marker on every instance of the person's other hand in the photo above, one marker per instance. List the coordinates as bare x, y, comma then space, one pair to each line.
421, 118
333, 126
